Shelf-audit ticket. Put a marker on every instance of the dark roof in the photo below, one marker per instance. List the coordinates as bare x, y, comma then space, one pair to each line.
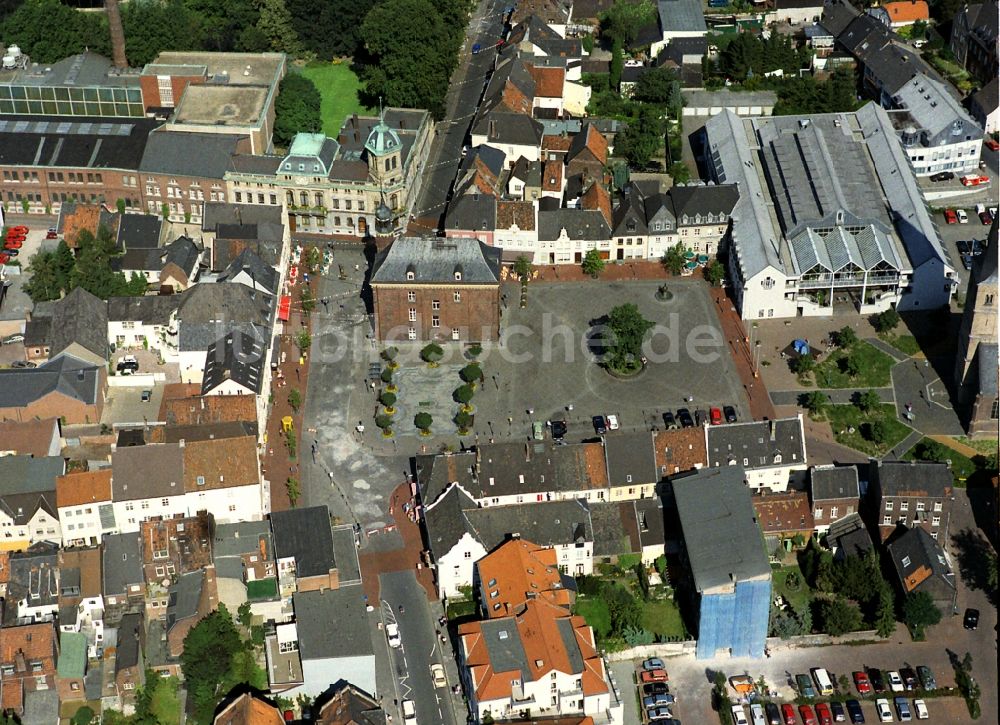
986, 97
37, 332
224, 212
232, 541
649, 521
80, 318
121, 562
235, 357
255, 268
66, 375
514, 129
56, 142
152, 310
184, 596
849, 537
833, 482
472, 213
916, 549
614, 528
677, 48
681, 16
182, 252
205, 431
437, 261
226, 248
305, 535
695, 199
209, 310
631, 458
723, 541
797, 4
759, 443
987, 358
204, 155
128, 642
332, 624
582, 224
911, 478
139, 231
148, 471
837, 15
436, 472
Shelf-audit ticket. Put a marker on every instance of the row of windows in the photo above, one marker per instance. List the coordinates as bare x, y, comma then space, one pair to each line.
935, 521
61, 93
905, 505
70, 108
456, 333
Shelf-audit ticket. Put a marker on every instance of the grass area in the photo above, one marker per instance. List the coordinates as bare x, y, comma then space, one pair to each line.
663, 618
904, 343
463, 608
595, 612
338, 85
930, 450
166, 705
262, 589
797, 597
874, 364
986, 447
845, 418
951, 70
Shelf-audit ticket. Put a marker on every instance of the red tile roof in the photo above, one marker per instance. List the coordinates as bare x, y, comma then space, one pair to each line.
548, 81
518, 571
907, 11
680, 450
784, 513
552, 175
597, 197
521, 213
28, 438
556, 143
89, 487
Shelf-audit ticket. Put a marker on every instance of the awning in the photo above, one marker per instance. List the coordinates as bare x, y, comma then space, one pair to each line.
284, 307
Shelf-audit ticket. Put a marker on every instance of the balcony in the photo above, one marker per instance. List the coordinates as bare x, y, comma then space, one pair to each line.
847, 281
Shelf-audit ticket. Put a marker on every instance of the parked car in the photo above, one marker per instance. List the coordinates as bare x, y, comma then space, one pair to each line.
855, 712
600, 427
903, 709
862, 683
978, 246
964, 246
12, 251
788, 713
974, 180
437, 675
51, 235
715, 416
807, 715
538, 430
730, 413
658, 714
967, 261
963, 218
558, 428
392, 634
22, 364
943, 176
823, 714
971, 619
612, 422
656, 688
684, 416
653, 663
950, 217
773, 713
838, 712
653, 676
992, 145
986, 217
18, 228
658, 700
909, 678
882, 710
146, 396
477, 48
757, 714
926, 676
13, 244
920, 710
739, 716
876, 678
11, 339
895, 681
4, 258
409, 713
669, 421
805, 685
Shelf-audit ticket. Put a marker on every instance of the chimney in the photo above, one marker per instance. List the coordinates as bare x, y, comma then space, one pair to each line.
117, 34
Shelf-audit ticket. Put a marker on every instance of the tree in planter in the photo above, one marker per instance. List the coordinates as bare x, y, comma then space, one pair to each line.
463, 395
304, 341
388, 400
673, 260
432, 354
920, 612
423, 421
292, 443
463, 420
471, 373
389, 355
307, 299
474, 351
294, 399
522, 268
715, 273
593, 264
385, 423
293, 490
312, 257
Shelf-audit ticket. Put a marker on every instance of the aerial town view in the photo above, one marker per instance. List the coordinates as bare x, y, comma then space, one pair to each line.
541, 362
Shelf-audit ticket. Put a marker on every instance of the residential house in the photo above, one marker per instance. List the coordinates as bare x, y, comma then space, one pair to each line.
84, 506
650, 529
71, 667
249, 269
729, 574
245, 566
148, 482
835, 493
80, 328
191, 598
679, 450
171, 549
481, 172
912, 494
235, 365
516, 231
904, 13
65, 387
472, 216
28, 510
33, 585
588, 154
702, 214
448, 289
303, 546
81, 602
783, 517
974, 39
566, 235
524, 181
631, 465
227, 229
80, 217
984, 107
519, 571
347, 704
678, 19
797, 12
849, 537
129, 665
772, 453
514, 134
36, 438
171, 268
923, 566
460, 533
248, 708
538, 659
28, 655
182, 406
124, 583
144, 323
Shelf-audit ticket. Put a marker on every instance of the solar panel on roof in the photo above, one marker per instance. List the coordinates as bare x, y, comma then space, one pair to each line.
41, 127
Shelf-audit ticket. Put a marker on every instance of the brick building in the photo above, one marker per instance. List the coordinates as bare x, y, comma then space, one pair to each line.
911, 494
437, 289
784, 515
834, 493
27, 662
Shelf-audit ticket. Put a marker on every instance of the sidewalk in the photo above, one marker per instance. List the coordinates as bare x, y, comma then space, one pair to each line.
761, 407
967, 451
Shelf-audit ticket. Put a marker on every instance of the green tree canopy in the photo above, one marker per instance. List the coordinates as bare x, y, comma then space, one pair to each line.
471, 373
152, 26
626, 330
837, 617
715, 272
48, 30
329, 28
623, 20
432, 353
463, 394
592, 263
522, 267
296, 109
275, 24
659, 86
674, 260
920, 611
209, 650
640, 138
886, 321
423, 421
868, 401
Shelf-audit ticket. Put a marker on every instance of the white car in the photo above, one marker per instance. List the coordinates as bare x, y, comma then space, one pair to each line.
895, 681
882, 708
920, 707
129, 360
409, 713
392, 634
963, 217
757, 714
739, 716
613, 422
437, 675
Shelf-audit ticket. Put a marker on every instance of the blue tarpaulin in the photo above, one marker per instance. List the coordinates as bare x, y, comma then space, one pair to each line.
801, 347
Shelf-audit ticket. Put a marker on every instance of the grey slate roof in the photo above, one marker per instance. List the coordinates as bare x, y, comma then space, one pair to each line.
80, 318
917, 546
234, 540
149, 471
849, 536
182, 251
614, 526
630, 458
27, 474
305, 535
436, 261
513, 129
699, 200
183, 598
41, 707
837, 15
332, 624
121, 562
237, 357
65, 375
935, 114
582, 224
681, 16
128, 642
506, 653
911, 478
204, 155
224, 212
209, 311
987, 354
725, 98
723, 541
472, 213
833, 482
152, 310
758, 442
139, 231
259, 271
435, 473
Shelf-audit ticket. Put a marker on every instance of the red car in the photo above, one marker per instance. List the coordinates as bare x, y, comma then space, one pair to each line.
715, 415
992, 144
4, 258
15, 235
823, 713
20, 229
13, 244
653, 676
950, 217
862, 682
808, 718
974, 180
51, 235
788, 714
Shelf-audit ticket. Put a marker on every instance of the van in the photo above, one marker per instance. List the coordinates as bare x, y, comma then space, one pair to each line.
823, 682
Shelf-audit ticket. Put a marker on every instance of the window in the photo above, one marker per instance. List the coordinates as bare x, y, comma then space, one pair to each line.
936, 521
818, 513
937, 505
457, 297
164, 501
411, 296
888, 505
920, 505
833, 512
411, 333
904, 505
413, 314
239, 196
887, 520
129, 506
455, 335
468, 555
436, 304
435, 321
906, 561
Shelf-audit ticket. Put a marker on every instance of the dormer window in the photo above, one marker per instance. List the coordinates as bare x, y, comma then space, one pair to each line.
302, 167
777, 458
458, 273
410, 274
316, 168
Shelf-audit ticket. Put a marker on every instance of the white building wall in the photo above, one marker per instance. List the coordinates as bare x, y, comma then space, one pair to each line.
962, 157
931, 287
454, 569
513, 151
81, 523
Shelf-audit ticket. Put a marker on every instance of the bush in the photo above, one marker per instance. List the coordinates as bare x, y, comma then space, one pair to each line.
463, 394
292, 487
471, 373
432, 354
463, 420
383, 421
387, 399
474, 351
423, 421
846, 337
885, 322
294, 399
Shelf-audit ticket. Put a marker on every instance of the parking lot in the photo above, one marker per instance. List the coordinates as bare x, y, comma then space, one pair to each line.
951, 234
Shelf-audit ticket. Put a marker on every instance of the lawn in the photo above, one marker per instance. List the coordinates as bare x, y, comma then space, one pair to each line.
875, 368
338, 85
262, 589
662, 617
595, 613
796, 597
904, 343
844, 418
166, 705
930, 450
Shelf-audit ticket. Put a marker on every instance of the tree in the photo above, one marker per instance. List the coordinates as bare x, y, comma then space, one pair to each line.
616, 66
920, 612
304, 341
383, 421
592, 263
296, 109
83, 716
120, 205
471, 373
640, 138
423, 421
275, 24
714, 272
852, 364
885, 613
626, 330
48, 31
44, 281
623, 20
293, 490
846, 337
92, 268
388, 400
878, 433
329, 28
165, 211
802, 365
659, 86
463, 420
244, 615
307, 300
623, 609
838, 617
209, 648
522, 267
679, 172
868, 401
153, 26
816, 402
224, 23
294, 399
432, 354
886, 321
674, 260
463, 394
